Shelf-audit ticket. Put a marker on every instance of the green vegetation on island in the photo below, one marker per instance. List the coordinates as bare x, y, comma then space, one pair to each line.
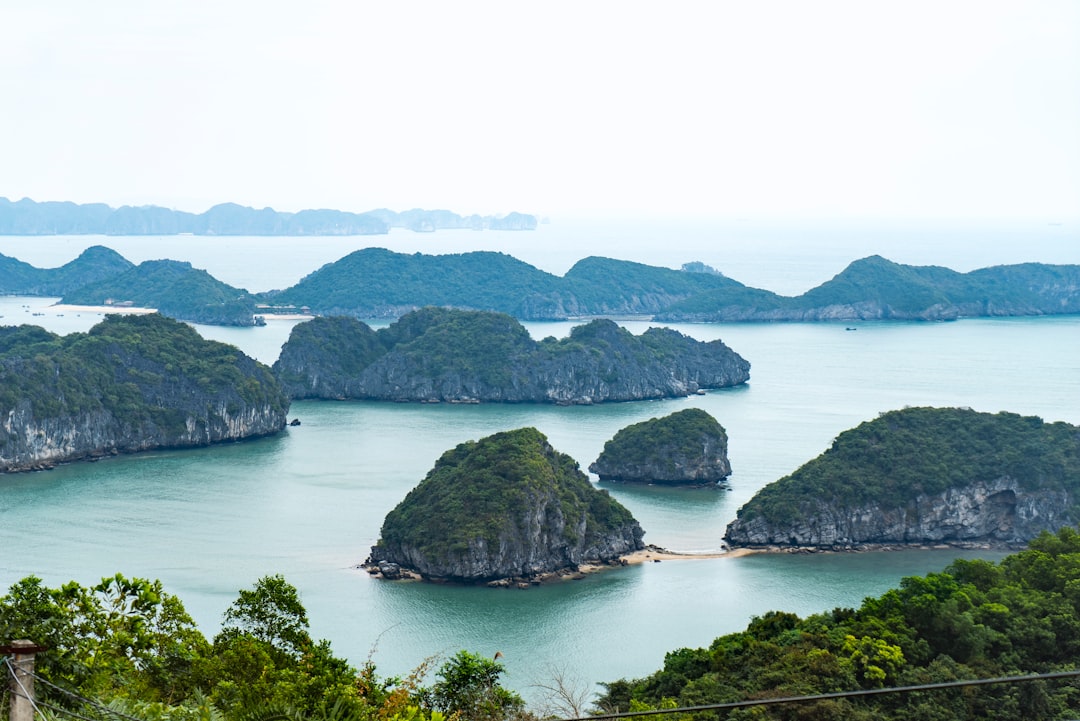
439, 354
685, 448
925, 474
378, 283
93, 264
504, 506
130, 383
975, 620
175, 289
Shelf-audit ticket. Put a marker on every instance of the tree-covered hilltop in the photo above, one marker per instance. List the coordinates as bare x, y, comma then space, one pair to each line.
508, 505
375, 283
93, 264
924, 475
439, 354
977, 619
688, 447
874, 288
175, 289
131, 383
378, 283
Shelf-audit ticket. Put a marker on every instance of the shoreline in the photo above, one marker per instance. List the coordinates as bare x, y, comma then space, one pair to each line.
65, 308
649, 554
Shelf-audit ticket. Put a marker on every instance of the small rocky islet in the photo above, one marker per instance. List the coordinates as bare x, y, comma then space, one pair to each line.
507, 509
686, 448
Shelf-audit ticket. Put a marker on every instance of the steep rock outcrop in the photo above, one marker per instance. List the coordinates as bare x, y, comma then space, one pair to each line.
685, 448
924, 475
998, 513
471, 356
132, 383
508, 505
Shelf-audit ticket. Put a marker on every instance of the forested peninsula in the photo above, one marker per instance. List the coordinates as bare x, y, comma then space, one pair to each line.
27, 217
379, 283
131, 383
924, 476
505, 509
439, 354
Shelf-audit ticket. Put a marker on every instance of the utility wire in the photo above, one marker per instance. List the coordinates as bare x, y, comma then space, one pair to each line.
841, 694
88, 701
15, 673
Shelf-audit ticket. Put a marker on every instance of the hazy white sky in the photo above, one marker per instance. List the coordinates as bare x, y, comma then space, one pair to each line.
714, 108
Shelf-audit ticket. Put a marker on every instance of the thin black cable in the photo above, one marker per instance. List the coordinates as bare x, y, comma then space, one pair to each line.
840, 694
68, 712
90, 702
24, 693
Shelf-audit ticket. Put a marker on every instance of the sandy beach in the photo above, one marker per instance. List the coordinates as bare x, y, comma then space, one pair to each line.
64, 308
652, 554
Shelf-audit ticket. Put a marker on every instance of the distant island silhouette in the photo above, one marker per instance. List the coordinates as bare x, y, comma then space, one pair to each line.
28, 217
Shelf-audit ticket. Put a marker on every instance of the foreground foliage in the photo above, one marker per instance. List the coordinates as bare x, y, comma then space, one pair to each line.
126, 643
977, 619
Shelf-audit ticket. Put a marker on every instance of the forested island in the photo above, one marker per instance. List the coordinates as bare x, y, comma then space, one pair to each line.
131, 383
27, 217
688, 448
439, 354
379, 283
507, 509
924, 476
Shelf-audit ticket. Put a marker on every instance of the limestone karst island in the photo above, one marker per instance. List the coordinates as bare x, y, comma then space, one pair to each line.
507, 509
685, 448
924, 476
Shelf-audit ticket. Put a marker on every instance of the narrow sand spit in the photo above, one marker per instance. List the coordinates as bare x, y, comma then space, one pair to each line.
101, 309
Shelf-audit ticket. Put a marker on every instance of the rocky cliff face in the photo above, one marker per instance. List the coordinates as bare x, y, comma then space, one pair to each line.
456, 360
998, 513
131, 384
540, 540
504, 506
31, 443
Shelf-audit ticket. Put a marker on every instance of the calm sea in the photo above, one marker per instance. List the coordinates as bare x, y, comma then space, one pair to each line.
309, 503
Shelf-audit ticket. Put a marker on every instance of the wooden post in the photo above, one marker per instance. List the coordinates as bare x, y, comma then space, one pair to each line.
21, 682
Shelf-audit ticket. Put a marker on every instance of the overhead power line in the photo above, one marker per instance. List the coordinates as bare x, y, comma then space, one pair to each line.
840, 694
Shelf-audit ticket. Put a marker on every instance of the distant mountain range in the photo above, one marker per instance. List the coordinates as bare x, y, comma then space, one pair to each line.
27, 217
378, 283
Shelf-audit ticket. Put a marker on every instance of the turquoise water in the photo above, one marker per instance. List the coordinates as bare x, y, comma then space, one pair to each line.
309, 503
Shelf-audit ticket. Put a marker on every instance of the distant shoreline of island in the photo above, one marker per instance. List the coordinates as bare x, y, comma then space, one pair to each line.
376, 283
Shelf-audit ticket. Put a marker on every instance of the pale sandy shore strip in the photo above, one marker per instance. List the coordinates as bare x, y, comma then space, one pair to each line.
101, 309
65, 308
285, 316
650, 554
